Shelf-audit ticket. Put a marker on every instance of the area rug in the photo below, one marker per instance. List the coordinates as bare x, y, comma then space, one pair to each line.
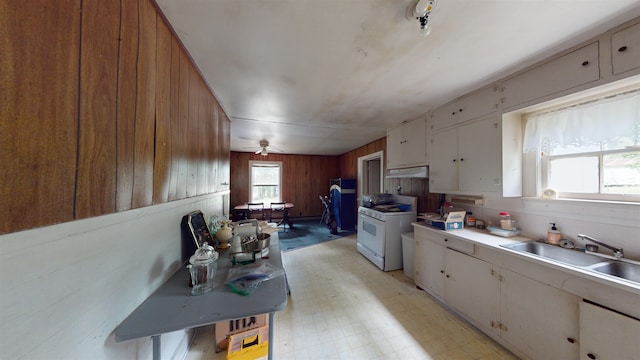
308, 232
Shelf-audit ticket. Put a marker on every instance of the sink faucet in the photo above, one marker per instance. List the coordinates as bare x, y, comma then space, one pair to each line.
617, 252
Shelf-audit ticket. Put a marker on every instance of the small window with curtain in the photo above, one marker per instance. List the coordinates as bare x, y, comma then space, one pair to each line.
588, 150
266, 181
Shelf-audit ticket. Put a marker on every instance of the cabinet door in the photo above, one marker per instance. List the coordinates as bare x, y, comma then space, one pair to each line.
568, 71
479, 167
625, 48
443, 169
605, 334
539, 320
442, 117
429, 264
472, 289
394, 147
478, 104
414, 148
435, 269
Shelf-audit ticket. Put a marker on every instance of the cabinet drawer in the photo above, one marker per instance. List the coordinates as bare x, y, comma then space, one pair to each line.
625, 49
575, 68
443, 238
455, 243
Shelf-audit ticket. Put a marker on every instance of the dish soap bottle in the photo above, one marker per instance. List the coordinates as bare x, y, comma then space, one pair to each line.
553, 235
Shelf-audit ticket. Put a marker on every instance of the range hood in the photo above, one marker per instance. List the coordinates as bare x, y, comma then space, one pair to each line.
414, 172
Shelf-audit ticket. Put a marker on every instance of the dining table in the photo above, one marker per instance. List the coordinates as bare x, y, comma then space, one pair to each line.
241, 212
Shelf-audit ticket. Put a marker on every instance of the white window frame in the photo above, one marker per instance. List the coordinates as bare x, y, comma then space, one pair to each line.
539, 165
252, 164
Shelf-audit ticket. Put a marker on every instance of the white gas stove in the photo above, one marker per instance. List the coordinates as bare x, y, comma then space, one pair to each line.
379, 230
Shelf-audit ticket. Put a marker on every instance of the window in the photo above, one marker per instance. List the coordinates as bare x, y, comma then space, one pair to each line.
266, 180
588, 150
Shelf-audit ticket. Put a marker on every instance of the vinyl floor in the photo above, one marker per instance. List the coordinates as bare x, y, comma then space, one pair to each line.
343, 307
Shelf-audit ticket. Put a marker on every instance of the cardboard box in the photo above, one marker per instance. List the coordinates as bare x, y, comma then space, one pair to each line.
454, 221
224, 329
249, 345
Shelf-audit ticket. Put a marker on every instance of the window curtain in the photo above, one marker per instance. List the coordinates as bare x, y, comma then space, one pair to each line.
614, 119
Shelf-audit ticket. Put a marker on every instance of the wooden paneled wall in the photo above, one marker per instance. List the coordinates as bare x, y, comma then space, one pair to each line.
102, 111
307, 176
304, 177
427, 202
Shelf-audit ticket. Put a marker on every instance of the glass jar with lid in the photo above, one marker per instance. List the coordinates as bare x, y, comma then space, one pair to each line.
505, 220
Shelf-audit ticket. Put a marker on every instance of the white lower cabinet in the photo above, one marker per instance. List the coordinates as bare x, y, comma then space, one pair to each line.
472, 289
606, 334
428, 265
534, 320
539, 320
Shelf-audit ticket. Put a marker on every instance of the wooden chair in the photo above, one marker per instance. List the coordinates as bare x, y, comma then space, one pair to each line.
255, 211
278, 214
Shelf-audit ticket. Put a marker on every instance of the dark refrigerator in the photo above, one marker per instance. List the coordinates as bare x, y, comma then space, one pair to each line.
343, 202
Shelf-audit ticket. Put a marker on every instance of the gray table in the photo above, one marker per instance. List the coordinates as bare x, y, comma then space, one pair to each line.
171, 307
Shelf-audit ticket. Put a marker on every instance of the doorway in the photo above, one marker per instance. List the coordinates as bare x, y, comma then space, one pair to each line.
371, 174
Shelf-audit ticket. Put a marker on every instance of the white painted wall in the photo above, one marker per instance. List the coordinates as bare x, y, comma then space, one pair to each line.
64, 288
614, 224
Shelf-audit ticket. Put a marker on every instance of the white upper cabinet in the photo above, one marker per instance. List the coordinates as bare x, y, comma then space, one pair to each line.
466, 159
625, 49
407, 145
472, 106
576, 68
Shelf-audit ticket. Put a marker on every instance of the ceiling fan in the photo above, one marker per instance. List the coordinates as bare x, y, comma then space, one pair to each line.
264, 144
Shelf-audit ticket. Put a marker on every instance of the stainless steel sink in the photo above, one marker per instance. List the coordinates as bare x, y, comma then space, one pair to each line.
619, 269
567, 256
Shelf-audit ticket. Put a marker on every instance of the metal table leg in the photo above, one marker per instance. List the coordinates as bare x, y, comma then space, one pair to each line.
157, 352
271, 315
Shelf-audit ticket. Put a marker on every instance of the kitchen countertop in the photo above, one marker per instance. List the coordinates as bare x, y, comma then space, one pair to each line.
493, 242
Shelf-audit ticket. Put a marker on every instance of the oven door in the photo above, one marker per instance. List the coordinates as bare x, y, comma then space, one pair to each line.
371, 234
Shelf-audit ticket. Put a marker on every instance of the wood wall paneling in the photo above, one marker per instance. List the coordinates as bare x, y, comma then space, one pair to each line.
224, 159
214, 146
183, 130
427, 202
106, 120
126, 108
145, 107
192, 130
304, 177
175, 118
201, 138
38, 112
96, 174
162, 155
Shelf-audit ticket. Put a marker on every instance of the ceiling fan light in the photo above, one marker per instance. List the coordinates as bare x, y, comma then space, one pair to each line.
264, 152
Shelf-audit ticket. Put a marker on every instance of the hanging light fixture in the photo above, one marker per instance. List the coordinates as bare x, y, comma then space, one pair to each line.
420, 10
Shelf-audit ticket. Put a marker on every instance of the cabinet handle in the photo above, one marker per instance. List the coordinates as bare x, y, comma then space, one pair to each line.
591, 356
445, 240
441, 271
622, 49
447, 275
585, 63
453, 113
454, 160
461, 159
571, 340
460, 110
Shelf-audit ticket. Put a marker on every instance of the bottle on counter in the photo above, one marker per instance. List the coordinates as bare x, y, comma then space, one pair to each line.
505, 220
471, 220
553, 235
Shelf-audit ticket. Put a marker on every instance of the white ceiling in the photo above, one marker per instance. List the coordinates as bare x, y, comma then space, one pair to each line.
323, 77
